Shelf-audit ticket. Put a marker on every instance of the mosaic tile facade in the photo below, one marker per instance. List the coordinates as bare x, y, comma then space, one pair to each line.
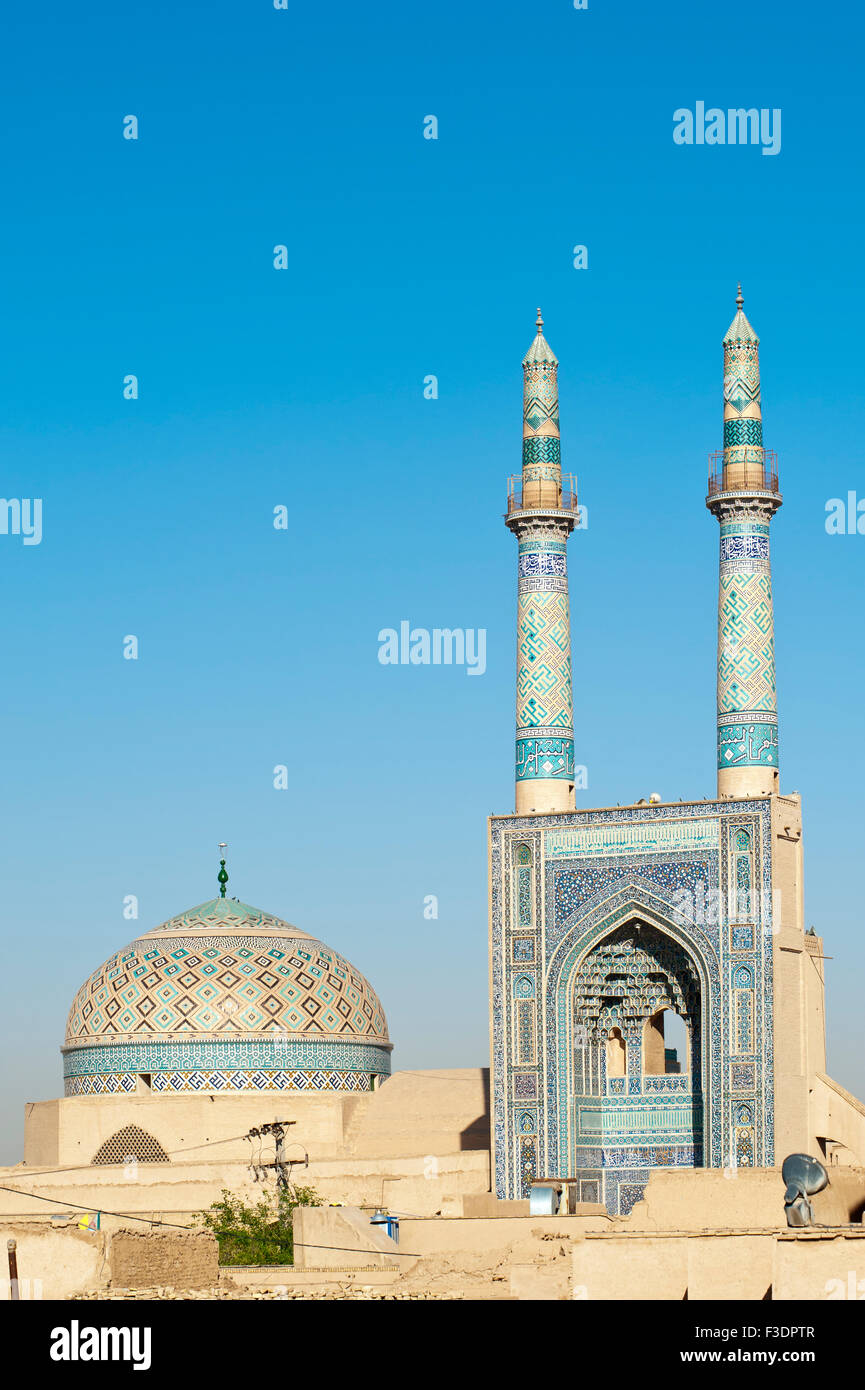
635, 910
747, 701
225, 996
545, 733
170, 1082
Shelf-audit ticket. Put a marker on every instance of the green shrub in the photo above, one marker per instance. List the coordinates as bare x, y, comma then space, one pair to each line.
259, 1234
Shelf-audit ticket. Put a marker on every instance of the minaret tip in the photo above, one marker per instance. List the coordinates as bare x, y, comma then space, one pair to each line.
740, 329
540, 350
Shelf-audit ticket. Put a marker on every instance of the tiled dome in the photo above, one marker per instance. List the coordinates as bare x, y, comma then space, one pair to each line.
228, 993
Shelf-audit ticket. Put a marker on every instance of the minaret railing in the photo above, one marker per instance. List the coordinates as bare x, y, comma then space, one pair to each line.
567, 500
768, 465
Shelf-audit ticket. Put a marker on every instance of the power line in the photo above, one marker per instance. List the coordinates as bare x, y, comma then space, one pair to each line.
174, 1226
87, 1167
190, 1148
121, 1215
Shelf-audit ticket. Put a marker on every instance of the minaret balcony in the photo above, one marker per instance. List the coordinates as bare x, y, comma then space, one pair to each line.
543, 495
756, 471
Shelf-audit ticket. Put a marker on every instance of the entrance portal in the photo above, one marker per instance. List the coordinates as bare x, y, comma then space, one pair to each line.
637, 1099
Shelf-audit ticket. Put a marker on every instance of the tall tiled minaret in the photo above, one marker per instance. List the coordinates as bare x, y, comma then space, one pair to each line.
744, 496
542, 515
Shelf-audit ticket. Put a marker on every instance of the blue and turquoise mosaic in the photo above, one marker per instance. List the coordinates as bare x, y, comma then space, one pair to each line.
231, 993
542, 562
743, 431
680, 1119
747, 744
275, 1063
747, 699
542, 449
541, 543
204, 1082
545, 757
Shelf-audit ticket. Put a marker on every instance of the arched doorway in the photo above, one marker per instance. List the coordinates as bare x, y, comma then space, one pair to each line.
637, 1099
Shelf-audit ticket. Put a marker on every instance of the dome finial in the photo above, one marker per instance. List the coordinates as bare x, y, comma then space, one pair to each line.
222, 876
540, 322
739, 300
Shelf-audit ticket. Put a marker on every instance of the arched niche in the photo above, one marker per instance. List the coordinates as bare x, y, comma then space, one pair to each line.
666, 1044
617, 1053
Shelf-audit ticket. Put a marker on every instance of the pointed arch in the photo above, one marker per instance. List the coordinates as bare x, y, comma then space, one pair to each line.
630, 902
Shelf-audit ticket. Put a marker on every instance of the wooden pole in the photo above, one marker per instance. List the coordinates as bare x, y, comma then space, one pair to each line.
13, 1270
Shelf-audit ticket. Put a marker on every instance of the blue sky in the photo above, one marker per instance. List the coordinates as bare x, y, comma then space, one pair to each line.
304, 387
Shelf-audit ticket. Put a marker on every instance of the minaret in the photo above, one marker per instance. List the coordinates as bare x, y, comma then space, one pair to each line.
542, 516
744, 496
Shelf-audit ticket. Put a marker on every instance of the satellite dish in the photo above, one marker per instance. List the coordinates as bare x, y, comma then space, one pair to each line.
803, 1176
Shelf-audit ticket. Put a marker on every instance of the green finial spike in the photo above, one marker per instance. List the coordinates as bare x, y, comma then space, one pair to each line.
222, 876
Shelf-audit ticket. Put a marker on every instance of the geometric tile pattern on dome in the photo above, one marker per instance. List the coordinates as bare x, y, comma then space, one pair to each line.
265, 1052
228, 1082
231, 972
221, 914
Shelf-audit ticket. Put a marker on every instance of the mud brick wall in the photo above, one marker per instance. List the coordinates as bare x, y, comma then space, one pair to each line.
145, 1260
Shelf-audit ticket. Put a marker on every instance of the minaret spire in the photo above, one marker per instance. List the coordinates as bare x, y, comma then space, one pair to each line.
542, 514
744, 496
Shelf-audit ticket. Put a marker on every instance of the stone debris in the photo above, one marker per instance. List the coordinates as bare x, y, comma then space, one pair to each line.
349, 1292
536, 1266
